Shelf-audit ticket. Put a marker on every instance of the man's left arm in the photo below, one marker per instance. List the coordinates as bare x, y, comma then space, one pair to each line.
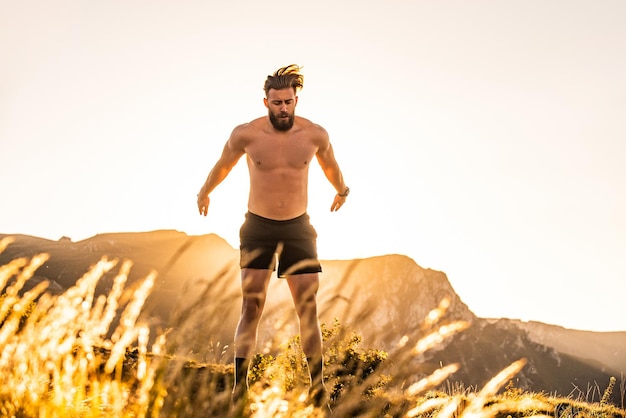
330, 167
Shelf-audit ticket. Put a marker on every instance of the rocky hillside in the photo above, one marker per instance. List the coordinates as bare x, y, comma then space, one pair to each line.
197, 298
610, 347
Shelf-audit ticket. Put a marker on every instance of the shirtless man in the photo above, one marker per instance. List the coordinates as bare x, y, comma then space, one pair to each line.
279, 148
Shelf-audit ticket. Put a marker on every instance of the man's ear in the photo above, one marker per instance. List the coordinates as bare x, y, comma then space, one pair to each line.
296, 99
265, 102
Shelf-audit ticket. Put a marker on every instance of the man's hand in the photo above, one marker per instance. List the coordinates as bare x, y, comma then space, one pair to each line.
203, 203
338, 203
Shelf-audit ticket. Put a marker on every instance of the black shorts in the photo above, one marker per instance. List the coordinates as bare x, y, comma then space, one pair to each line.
293, 239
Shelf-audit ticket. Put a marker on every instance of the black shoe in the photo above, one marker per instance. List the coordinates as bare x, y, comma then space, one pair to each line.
239, 401
320, 397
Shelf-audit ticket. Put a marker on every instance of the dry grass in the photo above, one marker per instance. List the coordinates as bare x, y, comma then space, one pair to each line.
78, 355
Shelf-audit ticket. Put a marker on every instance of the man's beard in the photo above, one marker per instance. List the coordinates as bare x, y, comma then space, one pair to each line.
282, 124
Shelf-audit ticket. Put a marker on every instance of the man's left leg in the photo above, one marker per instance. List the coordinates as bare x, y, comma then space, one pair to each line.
304, 289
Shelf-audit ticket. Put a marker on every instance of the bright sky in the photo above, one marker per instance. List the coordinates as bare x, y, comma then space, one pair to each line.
482, 138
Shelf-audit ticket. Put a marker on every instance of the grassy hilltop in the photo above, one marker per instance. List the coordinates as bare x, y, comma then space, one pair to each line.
78, 354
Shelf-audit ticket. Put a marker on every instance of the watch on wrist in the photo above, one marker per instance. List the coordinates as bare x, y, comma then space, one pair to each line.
345, 193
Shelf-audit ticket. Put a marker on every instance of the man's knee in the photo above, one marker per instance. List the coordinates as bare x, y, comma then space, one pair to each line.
307, 309
252, 307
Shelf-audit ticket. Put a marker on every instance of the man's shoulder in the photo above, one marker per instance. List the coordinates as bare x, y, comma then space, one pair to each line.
247, 130
306, 124
254, 124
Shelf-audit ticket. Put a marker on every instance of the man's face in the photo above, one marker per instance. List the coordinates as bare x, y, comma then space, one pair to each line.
281, 106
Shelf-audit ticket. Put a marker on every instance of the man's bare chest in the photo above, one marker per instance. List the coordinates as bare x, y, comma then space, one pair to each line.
268, 154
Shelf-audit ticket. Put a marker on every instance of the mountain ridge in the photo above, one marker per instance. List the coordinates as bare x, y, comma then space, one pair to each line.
383, 298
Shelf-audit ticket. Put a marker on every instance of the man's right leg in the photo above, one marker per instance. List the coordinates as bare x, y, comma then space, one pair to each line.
254, 284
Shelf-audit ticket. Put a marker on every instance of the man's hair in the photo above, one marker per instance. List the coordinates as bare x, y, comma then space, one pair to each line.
284, 78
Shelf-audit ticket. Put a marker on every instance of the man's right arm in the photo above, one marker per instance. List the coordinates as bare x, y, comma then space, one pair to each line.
233, 150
